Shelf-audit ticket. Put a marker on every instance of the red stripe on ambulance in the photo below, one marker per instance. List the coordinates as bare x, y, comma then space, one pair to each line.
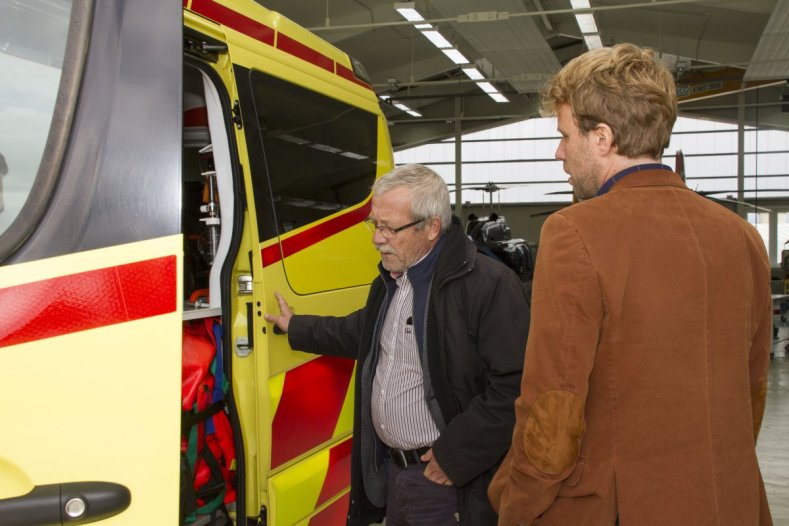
272, 254
338, 477
87, 300
334, 514
234, 20
307, 414
306, 53
348, 74
265, 34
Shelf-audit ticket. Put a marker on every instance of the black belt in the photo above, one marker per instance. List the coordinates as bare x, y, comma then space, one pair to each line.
404, 458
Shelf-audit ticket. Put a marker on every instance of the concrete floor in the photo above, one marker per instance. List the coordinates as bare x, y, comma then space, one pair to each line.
773, 445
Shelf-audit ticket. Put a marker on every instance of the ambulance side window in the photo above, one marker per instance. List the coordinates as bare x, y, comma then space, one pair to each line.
320, 154
32, 48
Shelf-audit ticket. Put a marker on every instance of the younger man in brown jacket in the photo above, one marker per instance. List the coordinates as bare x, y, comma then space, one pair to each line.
646, 366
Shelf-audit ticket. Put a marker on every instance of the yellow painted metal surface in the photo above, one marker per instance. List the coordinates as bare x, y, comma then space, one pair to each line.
342, 264
101, 404
295, 491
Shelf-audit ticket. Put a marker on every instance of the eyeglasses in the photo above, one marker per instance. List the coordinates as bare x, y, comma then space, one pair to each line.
387, 231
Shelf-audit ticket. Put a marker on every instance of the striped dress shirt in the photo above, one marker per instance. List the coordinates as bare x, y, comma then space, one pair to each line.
399, 411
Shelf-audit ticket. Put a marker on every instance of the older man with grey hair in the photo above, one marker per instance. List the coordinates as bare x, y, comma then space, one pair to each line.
439, 346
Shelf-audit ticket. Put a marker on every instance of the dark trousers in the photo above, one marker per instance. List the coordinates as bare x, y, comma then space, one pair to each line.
413, 500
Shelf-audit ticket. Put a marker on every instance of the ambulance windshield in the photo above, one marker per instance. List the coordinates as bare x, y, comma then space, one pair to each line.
32, 45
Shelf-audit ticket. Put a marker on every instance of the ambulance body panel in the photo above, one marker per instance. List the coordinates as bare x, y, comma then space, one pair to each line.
113, 248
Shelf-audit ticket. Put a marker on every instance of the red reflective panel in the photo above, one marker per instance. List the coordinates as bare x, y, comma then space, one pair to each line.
87, 300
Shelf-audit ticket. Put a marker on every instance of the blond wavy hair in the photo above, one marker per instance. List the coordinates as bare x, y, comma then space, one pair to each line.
624, 86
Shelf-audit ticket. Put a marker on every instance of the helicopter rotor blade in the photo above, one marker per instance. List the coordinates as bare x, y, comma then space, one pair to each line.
545, 212
705, 193
489, 186
743, 203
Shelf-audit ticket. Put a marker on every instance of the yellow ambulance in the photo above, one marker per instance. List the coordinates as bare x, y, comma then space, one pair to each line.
164, 169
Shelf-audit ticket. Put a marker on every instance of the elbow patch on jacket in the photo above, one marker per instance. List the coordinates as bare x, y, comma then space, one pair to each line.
553, 429
758, 399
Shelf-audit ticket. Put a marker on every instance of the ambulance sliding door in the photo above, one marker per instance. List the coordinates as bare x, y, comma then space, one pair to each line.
90, 315
313, 159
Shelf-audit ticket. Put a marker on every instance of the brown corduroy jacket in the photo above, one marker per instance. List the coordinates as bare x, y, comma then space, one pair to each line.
646, 365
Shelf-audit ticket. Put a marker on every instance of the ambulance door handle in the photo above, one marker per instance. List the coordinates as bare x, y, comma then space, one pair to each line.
70, 503
250, 327
245, 345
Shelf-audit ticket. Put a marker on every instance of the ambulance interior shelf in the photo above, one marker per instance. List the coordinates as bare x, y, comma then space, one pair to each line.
205, 312
202, 231
207, 197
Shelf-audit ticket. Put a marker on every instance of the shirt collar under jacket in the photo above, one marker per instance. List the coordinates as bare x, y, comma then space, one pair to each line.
639, 167
422, 271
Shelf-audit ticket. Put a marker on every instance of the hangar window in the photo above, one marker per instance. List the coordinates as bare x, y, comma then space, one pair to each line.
320, 153
38, 84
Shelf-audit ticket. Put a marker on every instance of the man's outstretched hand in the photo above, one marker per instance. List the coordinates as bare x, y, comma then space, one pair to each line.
285, 314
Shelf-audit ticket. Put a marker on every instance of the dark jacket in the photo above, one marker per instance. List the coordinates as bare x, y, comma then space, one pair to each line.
472, 342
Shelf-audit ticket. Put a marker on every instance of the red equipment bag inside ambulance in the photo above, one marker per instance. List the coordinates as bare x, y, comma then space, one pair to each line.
207, 452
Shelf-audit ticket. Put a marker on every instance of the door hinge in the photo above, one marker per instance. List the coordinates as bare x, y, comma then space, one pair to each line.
262, 518
237, 114
244, 284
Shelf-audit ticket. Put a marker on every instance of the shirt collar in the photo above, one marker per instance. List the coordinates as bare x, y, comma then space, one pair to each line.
422, 269
639, 167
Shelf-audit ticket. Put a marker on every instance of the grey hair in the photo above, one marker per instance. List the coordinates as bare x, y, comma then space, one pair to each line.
429, 193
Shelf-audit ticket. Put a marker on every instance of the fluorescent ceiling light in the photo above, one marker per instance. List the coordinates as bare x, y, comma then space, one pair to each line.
327, 206
437, 39
586, 23
353, 155
291, 138
403, 107
580, 4
399, 106
487, 87
325, 148
408, 11
300, 203
422, 27
455, 56
593, 41
473, 73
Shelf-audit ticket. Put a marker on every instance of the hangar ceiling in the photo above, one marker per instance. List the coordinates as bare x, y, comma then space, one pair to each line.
722, 52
